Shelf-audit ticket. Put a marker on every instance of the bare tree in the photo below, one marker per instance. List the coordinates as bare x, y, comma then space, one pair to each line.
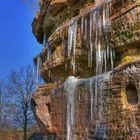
33, 4
21, 85
6, 107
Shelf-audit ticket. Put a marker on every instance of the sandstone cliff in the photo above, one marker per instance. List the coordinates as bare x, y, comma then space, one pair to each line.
99, 42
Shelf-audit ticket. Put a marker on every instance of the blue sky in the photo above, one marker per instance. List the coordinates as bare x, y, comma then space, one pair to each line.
18, 45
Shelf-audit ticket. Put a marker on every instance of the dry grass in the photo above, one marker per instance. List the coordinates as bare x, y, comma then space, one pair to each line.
6, 135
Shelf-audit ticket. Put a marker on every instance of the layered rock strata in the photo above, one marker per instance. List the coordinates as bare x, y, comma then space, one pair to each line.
104, 107
99, 42
123, 32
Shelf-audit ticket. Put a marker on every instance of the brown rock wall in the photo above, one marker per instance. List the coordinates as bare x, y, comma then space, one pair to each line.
106, 106
111, 114
124, 35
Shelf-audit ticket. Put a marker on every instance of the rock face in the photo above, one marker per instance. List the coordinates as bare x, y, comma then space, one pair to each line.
98, 42
88, 31
101, 107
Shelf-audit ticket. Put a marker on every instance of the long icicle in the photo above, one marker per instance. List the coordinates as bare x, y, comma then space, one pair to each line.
72, 38
91, 43
74, 45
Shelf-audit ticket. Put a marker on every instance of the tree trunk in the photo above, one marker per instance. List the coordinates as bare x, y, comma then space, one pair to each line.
25, 125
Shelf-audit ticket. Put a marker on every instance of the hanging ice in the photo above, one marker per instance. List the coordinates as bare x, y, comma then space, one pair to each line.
95, 30
37, 71
70, 87
99, 29
44, 40
96, 87
98, 25
48, 54
102, 1
72, 36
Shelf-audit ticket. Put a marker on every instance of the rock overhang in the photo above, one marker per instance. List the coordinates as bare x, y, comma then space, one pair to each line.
115, 100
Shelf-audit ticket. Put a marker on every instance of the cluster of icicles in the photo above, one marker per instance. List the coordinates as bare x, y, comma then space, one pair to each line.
38, 64
36, 68
94, 28
70, 86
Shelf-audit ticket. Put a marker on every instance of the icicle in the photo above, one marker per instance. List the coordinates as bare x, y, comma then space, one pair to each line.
70, 87
104, 53
104, 17
72, 38
105, 61
66, 66
74, 46
89, 64
48, 54
98, 103
37, 73
85, 24
33, 71
102, 60
91, 43
111, 58
44, 40
82, 25
49, 74
97, 83
99, 49
96, 38
98, 59
102, 1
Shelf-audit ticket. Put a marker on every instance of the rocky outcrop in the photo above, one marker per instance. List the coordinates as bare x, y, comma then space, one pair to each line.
105, 106
43, 106
38, 20
124, 31
99, 43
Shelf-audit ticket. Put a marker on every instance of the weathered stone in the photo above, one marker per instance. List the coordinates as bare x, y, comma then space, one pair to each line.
119, 118
105, 106
124, 39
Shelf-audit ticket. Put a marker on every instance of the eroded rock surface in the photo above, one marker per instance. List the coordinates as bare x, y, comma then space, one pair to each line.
99, 42
121, 35
104, 107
